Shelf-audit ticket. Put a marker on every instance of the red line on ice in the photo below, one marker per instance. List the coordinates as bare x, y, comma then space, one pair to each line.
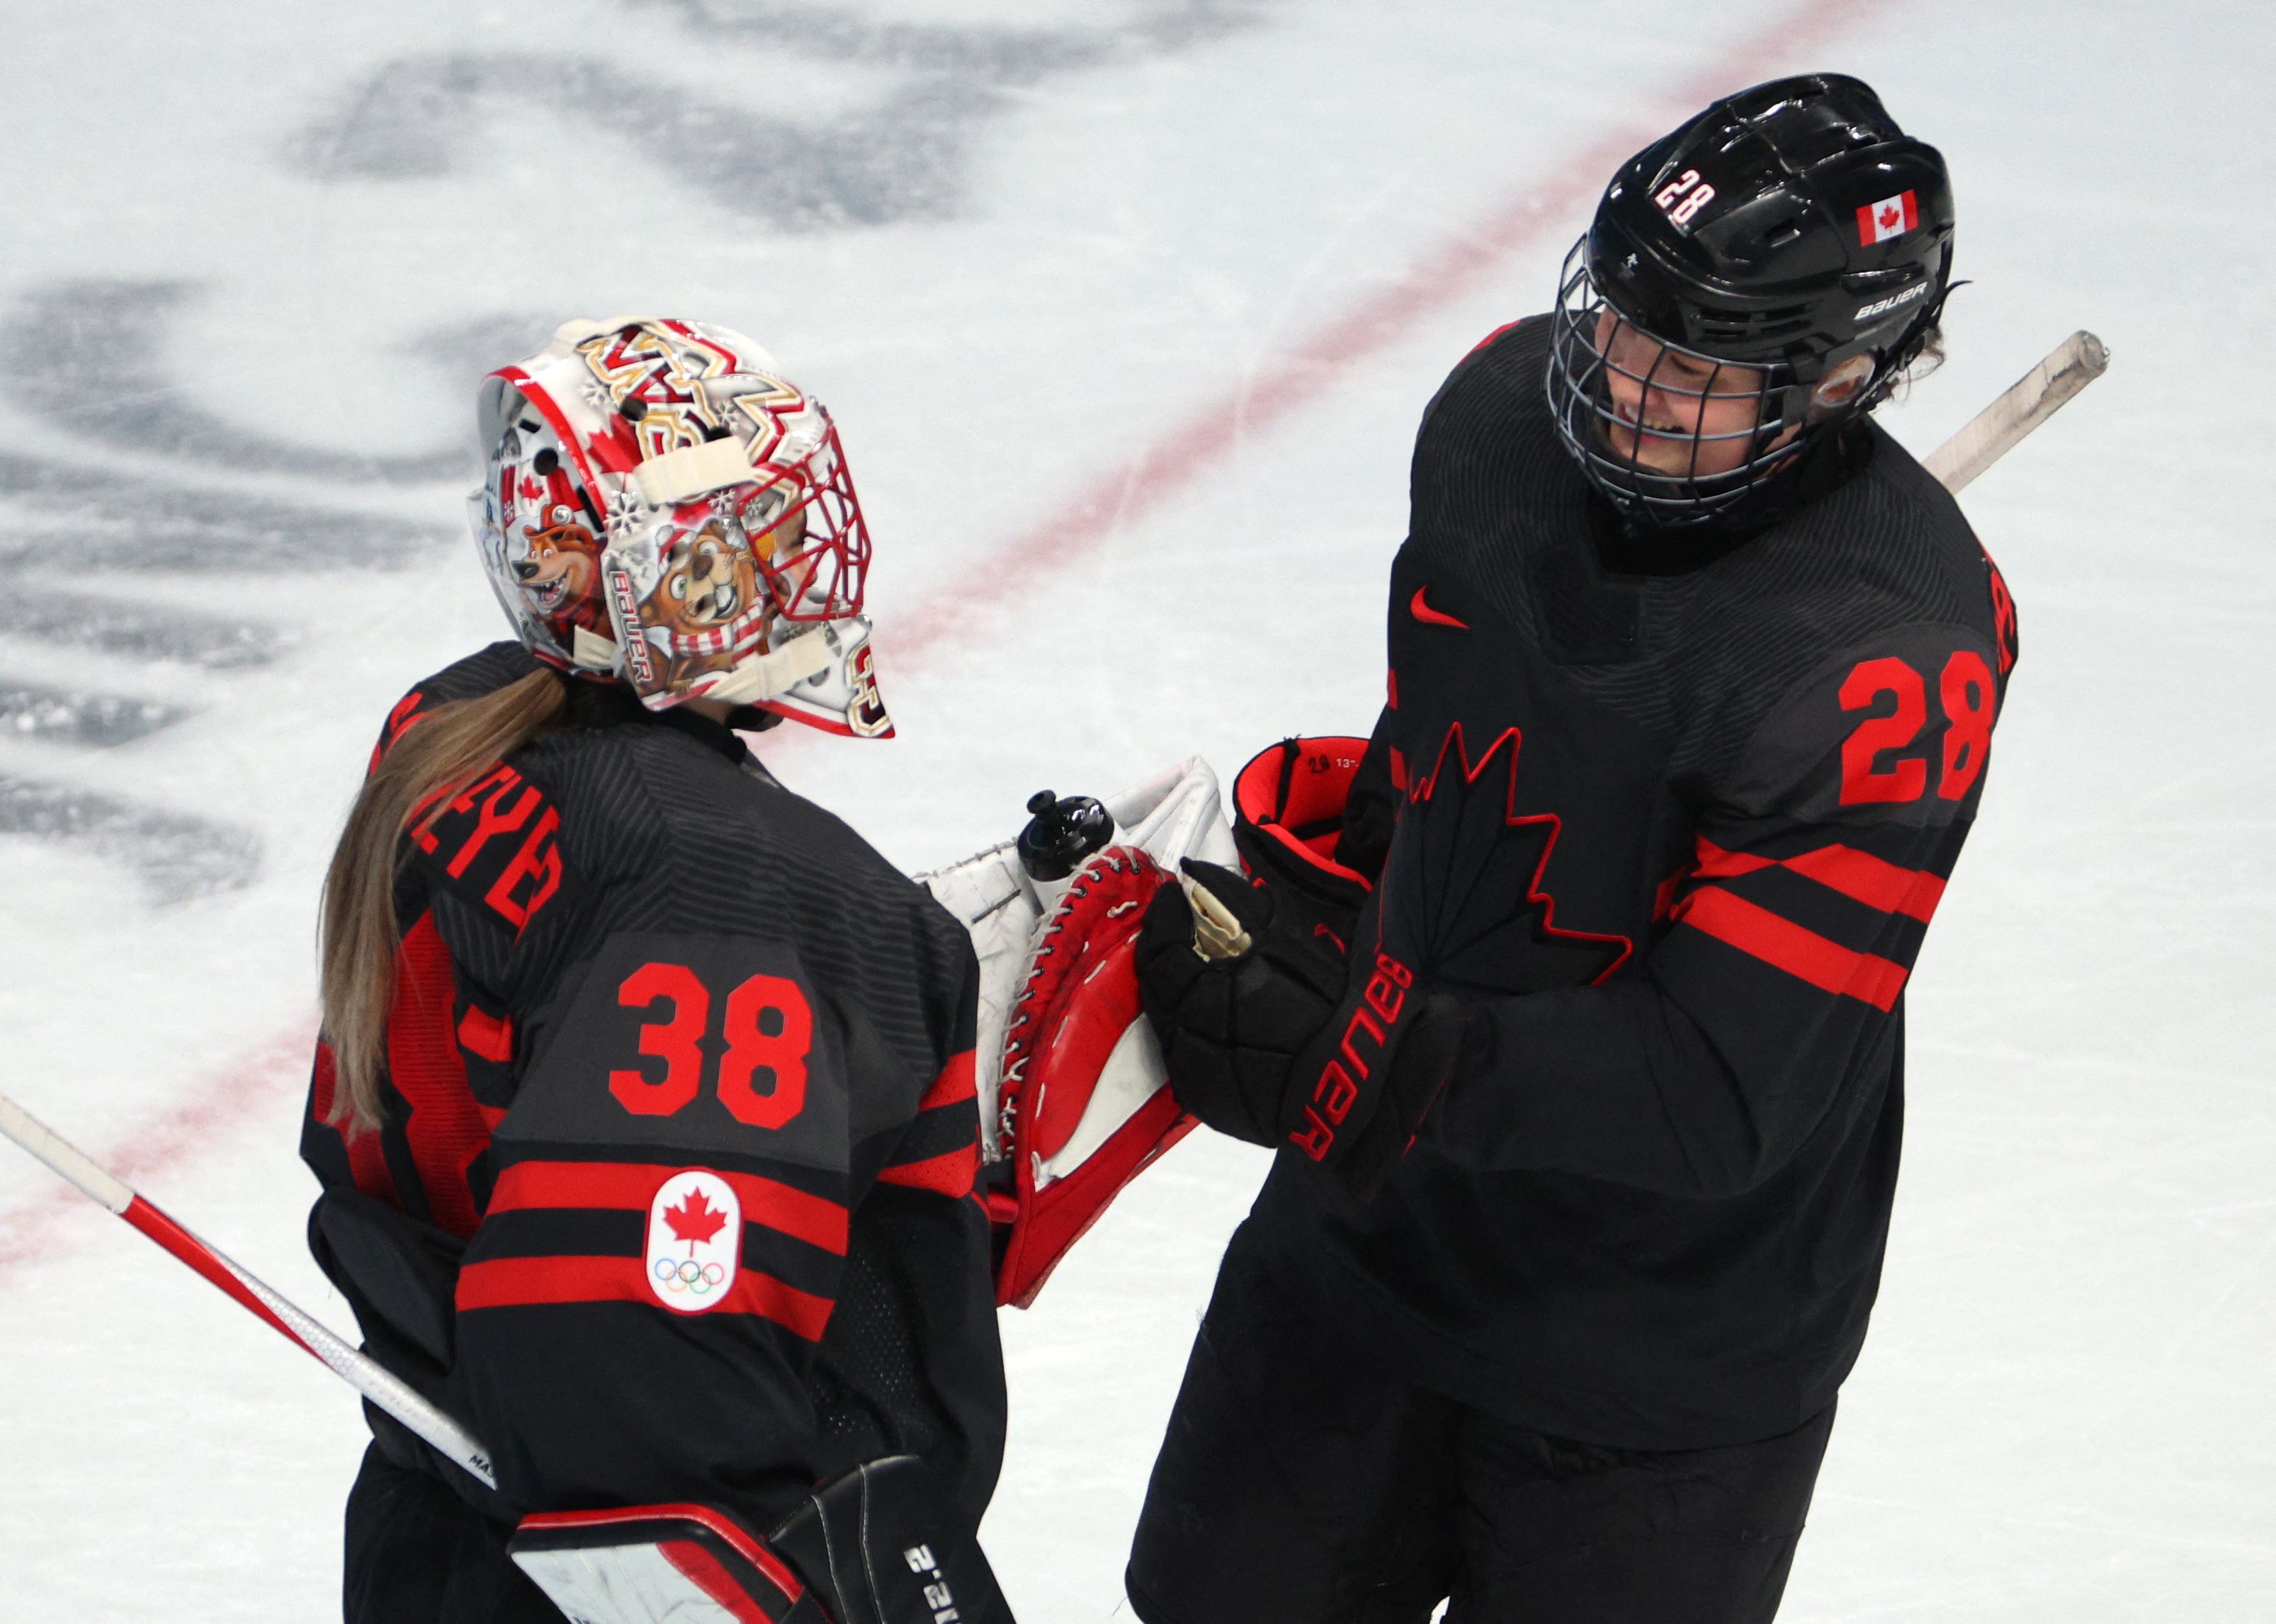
1162, 470
173, 1139
1179, 460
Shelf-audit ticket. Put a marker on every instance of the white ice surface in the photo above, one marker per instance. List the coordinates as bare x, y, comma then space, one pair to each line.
2062, 1413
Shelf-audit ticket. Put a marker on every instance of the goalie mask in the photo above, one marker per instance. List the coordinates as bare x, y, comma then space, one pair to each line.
660, 506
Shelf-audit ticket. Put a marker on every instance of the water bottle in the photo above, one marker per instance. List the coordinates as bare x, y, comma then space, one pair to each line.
1062, 834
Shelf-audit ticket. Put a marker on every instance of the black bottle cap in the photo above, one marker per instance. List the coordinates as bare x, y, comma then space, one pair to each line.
1062, 832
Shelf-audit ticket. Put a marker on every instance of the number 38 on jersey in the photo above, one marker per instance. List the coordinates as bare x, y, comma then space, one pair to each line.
760, 1040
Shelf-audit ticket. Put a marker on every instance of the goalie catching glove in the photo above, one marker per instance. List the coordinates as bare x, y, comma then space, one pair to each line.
1072, 1096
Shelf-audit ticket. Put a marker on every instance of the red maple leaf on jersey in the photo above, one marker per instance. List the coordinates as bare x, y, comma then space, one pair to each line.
694, 1219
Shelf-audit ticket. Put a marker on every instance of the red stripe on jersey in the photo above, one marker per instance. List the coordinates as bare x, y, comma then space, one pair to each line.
1715, 864
1784, 945
525, 1282
400, 718
447, 1129
953, 1174
1859, 875
630, 1186
1496, 333
1868, 879
366, 1153
955, 1084
485, 1035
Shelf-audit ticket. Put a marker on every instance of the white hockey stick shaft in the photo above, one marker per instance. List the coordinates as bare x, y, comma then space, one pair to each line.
366, 1375
2036, 397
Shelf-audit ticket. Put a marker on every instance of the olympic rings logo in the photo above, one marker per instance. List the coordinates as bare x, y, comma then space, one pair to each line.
687, 1275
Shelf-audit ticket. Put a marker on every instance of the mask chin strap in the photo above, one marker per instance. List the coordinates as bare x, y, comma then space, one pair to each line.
764, 677
591, 651
692, 471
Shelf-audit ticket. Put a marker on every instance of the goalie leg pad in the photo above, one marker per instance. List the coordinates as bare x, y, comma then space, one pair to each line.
875, 1546
879, 1543
654, 1564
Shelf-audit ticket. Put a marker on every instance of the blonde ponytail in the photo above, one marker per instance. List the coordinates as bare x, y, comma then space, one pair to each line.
431, 762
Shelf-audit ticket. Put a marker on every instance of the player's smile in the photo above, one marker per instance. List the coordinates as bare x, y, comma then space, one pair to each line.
1671, 412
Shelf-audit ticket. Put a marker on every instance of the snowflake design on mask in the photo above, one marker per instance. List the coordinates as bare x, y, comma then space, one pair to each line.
627, 513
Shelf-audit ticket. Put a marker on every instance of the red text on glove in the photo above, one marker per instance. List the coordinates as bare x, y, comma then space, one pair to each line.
1357, 1052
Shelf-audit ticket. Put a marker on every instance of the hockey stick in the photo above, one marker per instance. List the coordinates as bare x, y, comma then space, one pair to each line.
366, 1375
2034, 396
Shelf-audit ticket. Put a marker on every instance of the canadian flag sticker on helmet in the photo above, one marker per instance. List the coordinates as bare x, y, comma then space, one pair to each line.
694, 1239
1891, 217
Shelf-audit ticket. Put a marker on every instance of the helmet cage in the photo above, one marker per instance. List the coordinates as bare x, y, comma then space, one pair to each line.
1589, 418
821, 571
696, 586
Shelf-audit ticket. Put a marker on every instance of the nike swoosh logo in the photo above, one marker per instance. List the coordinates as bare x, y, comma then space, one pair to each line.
1429, 616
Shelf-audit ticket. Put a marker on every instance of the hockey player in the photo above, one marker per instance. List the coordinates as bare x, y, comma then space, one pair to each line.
1588, 1142
644, 1107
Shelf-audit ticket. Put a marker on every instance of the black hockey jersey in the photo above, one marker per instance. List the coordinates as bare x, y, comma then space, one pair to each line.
674, 1201
1684, 810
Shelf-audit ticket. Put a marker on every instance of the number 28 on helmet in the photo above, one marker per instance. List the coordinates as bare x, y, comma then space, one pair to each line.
660, 506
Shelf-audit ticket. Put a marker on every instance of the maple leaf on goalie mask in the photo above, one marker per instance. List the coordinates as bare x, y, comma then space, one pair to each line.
694, 1219
1464, 877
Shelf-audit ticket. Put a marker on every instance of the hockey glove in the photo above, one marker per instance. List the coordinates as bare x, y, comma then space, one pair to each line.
882, 1547
1231, 1024
1363, 1085
1289, 805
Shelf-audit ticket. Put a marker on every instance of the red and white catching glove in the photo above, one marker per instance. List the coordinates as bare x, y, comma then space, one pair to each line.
1074, 1098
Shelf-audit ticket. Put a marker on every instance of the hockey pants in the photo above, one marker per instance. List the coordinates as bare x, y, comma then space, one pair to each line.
1304, 1487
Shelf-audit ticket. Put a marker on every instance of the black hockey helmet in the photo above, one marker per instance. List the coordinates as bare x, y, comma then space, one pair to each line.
1787, 229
